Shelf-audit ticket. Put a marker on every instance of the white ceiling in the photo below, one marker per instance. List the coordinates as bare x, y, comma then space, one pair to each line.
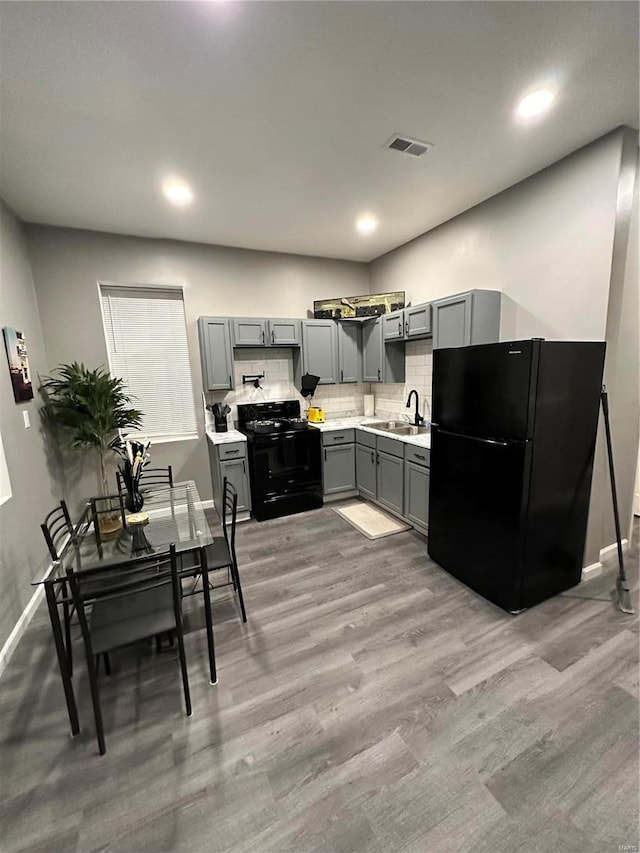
276, 113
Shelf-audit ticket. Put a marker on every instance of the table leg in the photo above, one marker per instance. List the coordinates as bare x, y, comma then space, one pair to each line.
207, 616
63, 663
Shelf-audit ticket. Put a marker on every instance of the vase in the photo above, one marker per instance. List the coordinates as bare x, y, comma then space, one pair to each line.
133, 500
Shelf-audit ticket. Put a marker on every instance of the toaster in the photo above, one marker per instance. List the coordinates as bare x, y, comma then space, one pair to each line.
316, 415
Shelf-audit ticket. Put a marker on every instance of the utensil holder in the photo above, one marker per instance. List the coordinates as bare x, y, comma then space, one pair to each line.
221, 424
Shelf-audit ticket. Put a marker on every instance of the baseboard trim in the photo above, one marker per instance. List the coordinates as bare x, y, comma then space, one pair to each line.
21, 625
592, 571
609, 548
207, 504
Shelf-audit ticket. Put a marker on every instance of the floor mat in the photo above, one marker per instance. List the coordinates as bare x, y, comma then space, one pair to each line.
371, 521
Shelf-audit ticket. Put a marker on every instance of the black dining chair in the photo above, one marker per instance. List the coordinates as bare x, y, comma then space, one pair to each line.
58, 531
221, 554
121, 604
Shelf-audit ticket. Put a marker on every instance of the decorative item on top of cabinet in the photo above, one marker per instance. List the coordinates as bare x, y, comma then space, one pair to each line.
467, 318
215, 353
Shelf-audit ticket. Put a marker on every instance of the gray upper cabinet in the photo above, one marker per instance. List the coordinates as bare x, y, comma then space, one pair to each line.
467, 318
215, 353
320, 350
349, 351
382, 362
283, 333
393, 326
249, 332
417, 322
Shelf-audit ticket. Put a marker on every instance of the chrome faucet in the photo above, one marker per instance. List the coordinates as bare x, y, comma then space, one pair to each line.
417, 419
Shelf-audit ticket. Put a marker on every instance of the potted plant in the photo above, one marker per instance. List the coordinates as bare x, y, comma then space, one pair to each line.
89, 408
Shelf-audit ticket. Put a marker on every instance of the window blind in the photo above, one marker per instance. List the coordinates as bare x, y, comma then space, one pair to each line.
146, 336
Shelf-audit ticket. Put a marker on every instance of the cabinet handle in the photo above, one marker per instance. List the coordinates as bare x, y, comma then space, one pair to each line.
233, 451
244, 470
229, 380
378, 373
325, 455
399, 327
372, 455
273, 337
342, 376
406, 329
263, 338
377, 458
418, 456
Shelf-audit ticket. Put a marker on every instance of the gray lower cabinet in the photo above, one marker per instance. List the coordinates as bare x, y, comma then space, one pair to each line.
467, 318
366, 471
416, 495
390, 481
216, 354
338, 469
349, 351
230, 461
320, 350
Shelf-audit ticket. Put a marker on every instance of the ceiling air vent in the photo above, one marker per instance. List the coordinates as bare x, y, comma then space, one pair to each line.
406, 145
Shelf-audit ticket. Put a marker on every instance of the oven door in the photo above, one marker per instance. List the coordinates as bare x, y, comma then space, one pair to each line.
286, 462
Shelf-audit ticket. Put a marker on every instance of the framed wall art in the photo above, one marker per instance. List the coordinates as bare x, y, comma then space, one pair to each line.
18, 359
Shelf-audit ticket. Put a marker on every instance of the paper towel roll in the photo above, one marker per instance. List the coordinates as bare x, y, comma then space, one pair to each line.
369, 405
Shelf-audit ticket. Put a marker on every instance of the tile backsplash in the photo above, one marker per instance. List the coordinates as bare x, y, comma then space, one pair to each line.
391, 398
277, 366
338, 401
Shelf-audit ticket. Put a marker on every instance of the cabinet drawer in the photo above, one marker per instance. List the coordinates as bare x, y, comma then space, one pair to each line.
232, 451
366, 438
391, 446
419, 455
338, 436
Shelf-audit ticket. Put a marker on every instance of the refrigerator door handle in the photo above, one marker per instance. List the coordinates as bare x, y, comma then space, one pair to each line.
495, 441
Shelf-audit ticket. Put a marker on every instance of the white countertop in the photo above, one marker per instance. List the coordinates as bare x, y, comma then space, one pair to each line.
225, 437
361, 422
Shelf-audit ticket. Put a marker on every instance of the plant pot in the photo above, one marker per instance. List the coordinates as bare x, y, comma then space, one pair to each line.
109, 524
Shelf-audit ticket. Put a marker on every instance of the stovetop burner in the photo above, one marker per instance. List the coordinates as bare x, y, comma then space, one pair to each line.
270, 417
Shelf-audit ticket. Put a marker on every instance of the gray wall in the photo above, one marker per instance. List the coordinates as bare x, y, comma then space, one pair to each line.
67, 265
547, 243
22, 548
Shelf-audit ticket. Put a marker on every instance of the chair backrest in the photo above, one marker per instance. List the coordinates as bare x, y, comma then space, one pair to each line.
57, 529
156, 477
121, 580
229, 515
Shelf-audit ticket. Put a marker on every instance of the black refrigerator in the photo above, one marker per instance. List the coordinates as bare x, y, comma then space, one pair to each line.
512, 444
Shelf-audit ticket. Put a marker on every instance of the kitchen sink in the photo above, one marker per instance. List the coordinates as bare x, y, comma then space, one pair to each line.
399, 428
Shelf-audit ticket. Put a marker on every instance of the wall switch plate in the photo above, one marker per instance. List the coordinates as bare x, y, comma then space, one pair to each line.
25, 418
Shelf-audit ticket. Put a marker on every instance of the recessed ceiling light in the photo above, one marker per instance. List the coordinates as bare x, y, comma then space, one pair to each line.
535, 103
178, 192
366, 224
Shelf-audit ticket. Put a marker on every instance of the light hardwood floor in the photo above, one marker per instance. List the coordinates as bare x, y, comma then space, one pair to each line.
372, 703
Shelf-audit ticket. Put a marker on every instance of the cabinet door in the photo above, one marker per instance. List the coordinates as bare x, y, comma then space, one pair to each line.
390, 481
339, 469
235, 471
417, 321
283, 333
372, 351
393, 326
249, 332
366, 470
416, 494
319, 350
452, 321
349, 352
216, 354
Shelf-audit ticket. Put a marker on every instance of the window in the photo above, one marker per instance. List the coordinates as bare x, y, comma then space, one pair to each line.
146, 335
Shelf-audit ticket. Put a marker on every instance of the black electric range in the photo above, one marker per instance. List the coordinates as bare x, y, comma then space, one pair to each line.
285, 458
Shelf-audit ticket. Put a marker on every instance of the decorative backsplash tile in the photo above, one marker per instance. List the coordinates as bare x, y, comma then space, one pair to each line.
391, 398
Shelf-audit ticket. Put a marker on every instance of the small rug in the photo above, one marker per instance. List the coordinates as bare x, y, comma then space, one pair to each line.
371, 521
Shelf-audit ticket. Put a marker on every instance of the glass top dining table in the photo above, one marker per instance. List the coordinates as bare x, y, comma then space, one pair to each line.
175, 516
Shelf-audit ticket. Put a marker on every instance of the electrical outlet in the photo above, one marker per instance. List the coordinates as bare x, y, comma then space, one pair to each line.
25, 418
